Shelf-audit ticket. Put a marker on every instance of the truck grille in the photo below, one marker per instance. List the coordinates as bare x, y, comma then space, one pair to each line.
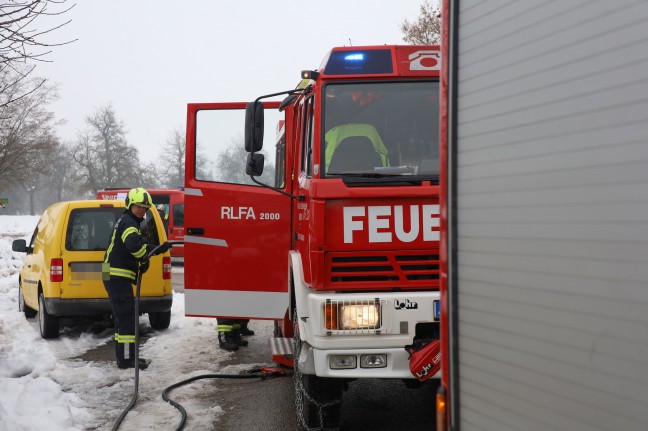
389, 269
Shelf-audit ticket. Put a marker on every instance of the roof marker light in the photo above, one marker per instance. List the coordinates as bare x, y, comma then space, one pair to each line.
310, 74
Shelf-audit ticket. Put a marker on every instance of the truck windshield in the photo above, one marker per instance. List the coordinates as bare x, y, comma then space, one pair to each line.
381, 129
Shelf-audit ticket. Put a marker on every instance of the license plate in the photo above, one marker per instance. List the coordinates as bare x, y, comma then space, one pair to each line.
437, 310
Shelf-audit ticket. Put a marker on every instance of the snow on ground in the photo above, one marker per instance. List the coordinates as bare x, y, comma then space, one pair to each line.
44, 385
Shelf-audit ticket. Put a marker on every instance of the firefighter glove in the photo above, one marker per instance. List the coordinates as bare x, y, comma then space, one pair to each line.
163, 248
144, 266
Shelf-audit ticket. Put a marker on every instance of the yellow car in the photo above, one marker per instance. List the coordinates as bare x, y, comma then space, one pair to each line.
61, 273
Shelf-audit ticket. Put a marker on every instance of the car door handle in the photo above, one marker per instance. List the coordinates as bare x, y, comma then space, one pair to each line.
195, 231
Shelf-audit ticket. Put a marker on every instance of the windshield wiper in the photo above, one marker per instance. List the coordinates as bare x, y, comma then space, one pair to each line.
363, 175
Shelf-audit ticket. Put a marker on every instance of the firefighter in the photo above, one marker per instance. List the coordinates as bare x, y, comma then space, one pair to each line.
124, 258
336, 135
244, 328
164, 216
229, 333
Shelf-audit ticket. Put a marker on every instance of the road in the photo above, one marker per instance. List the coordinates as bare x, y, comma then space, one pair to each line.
269, 405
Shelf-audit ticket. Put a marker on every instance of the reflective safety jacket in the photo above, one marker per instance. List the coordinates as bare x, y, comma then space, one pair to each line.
337, 134
126, 248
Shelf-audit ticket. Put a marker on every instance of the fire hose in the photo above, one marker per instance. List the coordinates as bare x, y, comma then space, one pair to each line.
256, 373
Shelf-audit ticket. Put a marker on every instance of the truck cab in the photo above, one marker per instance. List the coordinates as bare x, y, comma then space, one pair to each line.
321, 212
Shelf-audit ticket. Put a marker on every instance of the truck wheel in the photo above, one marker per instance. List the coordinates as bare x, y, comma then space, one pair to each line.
160, 320
49, 325
318, 399
29, 312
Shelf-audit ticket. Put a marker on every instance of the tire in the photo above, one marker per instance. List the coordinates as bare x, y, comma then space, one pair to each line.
318, 400
160, 320
49, 325
29, 312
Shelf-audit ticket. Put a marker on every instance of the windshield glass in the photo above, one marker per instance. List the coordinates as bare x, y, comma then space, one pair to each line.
381, 129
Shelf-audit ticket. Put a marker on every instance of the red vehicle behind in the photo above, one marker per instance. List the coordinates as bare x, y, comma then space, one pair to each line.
334, 233
173, 202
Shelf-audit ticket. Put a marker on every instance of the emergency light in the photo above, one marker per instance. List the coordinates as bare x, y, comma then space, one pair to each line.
357, 56
359, 62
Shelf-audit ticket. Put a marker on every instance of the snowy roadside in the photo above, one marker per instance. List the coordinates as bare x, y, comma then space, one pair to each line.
43, 384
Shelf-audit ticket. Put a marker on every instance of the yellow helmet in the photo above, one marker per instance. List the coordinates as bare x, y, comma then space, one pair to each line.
138, 196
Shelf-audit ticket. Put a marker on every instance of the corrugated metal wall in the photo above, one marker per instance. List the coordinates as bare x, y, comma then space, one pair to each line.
552, 213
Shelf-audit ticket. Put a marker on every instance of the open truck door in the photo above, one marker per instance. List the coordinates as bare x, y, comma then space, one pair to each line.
237, 233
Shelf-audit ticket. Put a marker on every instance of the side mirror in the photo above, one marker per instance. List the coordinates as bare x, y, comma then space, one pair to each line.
254, 166
19, 245
253, 127
287, 102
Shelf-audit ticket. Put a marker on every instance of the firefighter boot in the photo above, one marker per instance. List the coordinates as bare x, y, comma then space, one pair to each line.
226, 341
126, 358
143, 363
245, 330
236, 333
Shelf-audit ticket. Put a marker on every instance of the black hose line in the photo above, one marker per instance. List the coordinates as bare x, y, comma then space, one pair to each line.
259, 373
121, 417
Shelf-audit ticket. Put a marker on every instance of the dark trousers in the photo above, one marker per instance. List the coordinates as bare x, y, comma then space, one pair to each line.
120, 292
229, 325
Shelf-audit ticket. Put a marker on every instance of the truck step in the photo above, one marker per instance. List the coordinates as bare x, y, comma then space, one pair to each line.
282, 351
281, 346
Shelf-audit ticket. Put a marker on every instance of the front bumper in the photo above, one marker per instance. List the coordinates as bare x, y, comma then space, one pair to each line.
314, 361
400, 312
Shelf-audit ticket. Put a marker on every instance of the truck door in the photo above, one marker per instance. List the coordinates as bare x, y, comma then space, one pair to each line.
237, 233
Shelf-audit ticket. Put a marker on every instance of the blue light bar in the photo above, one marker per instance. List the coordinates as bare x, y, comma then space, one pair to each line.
357, 56
364, 62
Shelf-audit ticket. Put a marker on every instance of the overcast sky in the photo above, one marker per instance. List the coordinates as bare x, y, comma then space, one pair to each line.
149, 58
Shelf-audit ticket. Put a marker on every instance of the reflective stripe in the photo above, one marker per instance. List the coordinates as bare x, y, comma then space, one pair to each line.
193, 192
129, 231
125, 339
205, 241
120, 272
112, 242
225, 328
264, 305
141, 252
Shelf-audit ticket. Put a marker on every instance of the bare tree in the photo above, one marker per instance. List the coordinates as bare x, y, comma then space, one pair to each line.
26, 135
149, 177
22, 42
426, 30
172, 160
103, 156
230, 166
59, 185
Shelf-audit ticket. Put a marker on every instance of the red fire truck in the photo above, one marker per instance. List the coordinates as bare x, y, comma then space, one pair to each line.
545, 219
173, 202
334, 232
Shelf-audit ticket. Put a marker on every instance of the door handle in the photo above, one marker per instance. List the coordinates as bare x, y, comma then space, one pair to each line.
195, 231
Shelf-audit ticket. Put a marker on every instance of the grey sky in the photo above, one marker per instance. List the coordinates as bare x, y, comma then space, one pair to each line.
149, 58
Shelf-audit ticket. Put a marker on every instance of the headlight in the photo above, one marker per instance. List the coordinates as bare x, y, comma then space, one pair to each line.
345, 315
